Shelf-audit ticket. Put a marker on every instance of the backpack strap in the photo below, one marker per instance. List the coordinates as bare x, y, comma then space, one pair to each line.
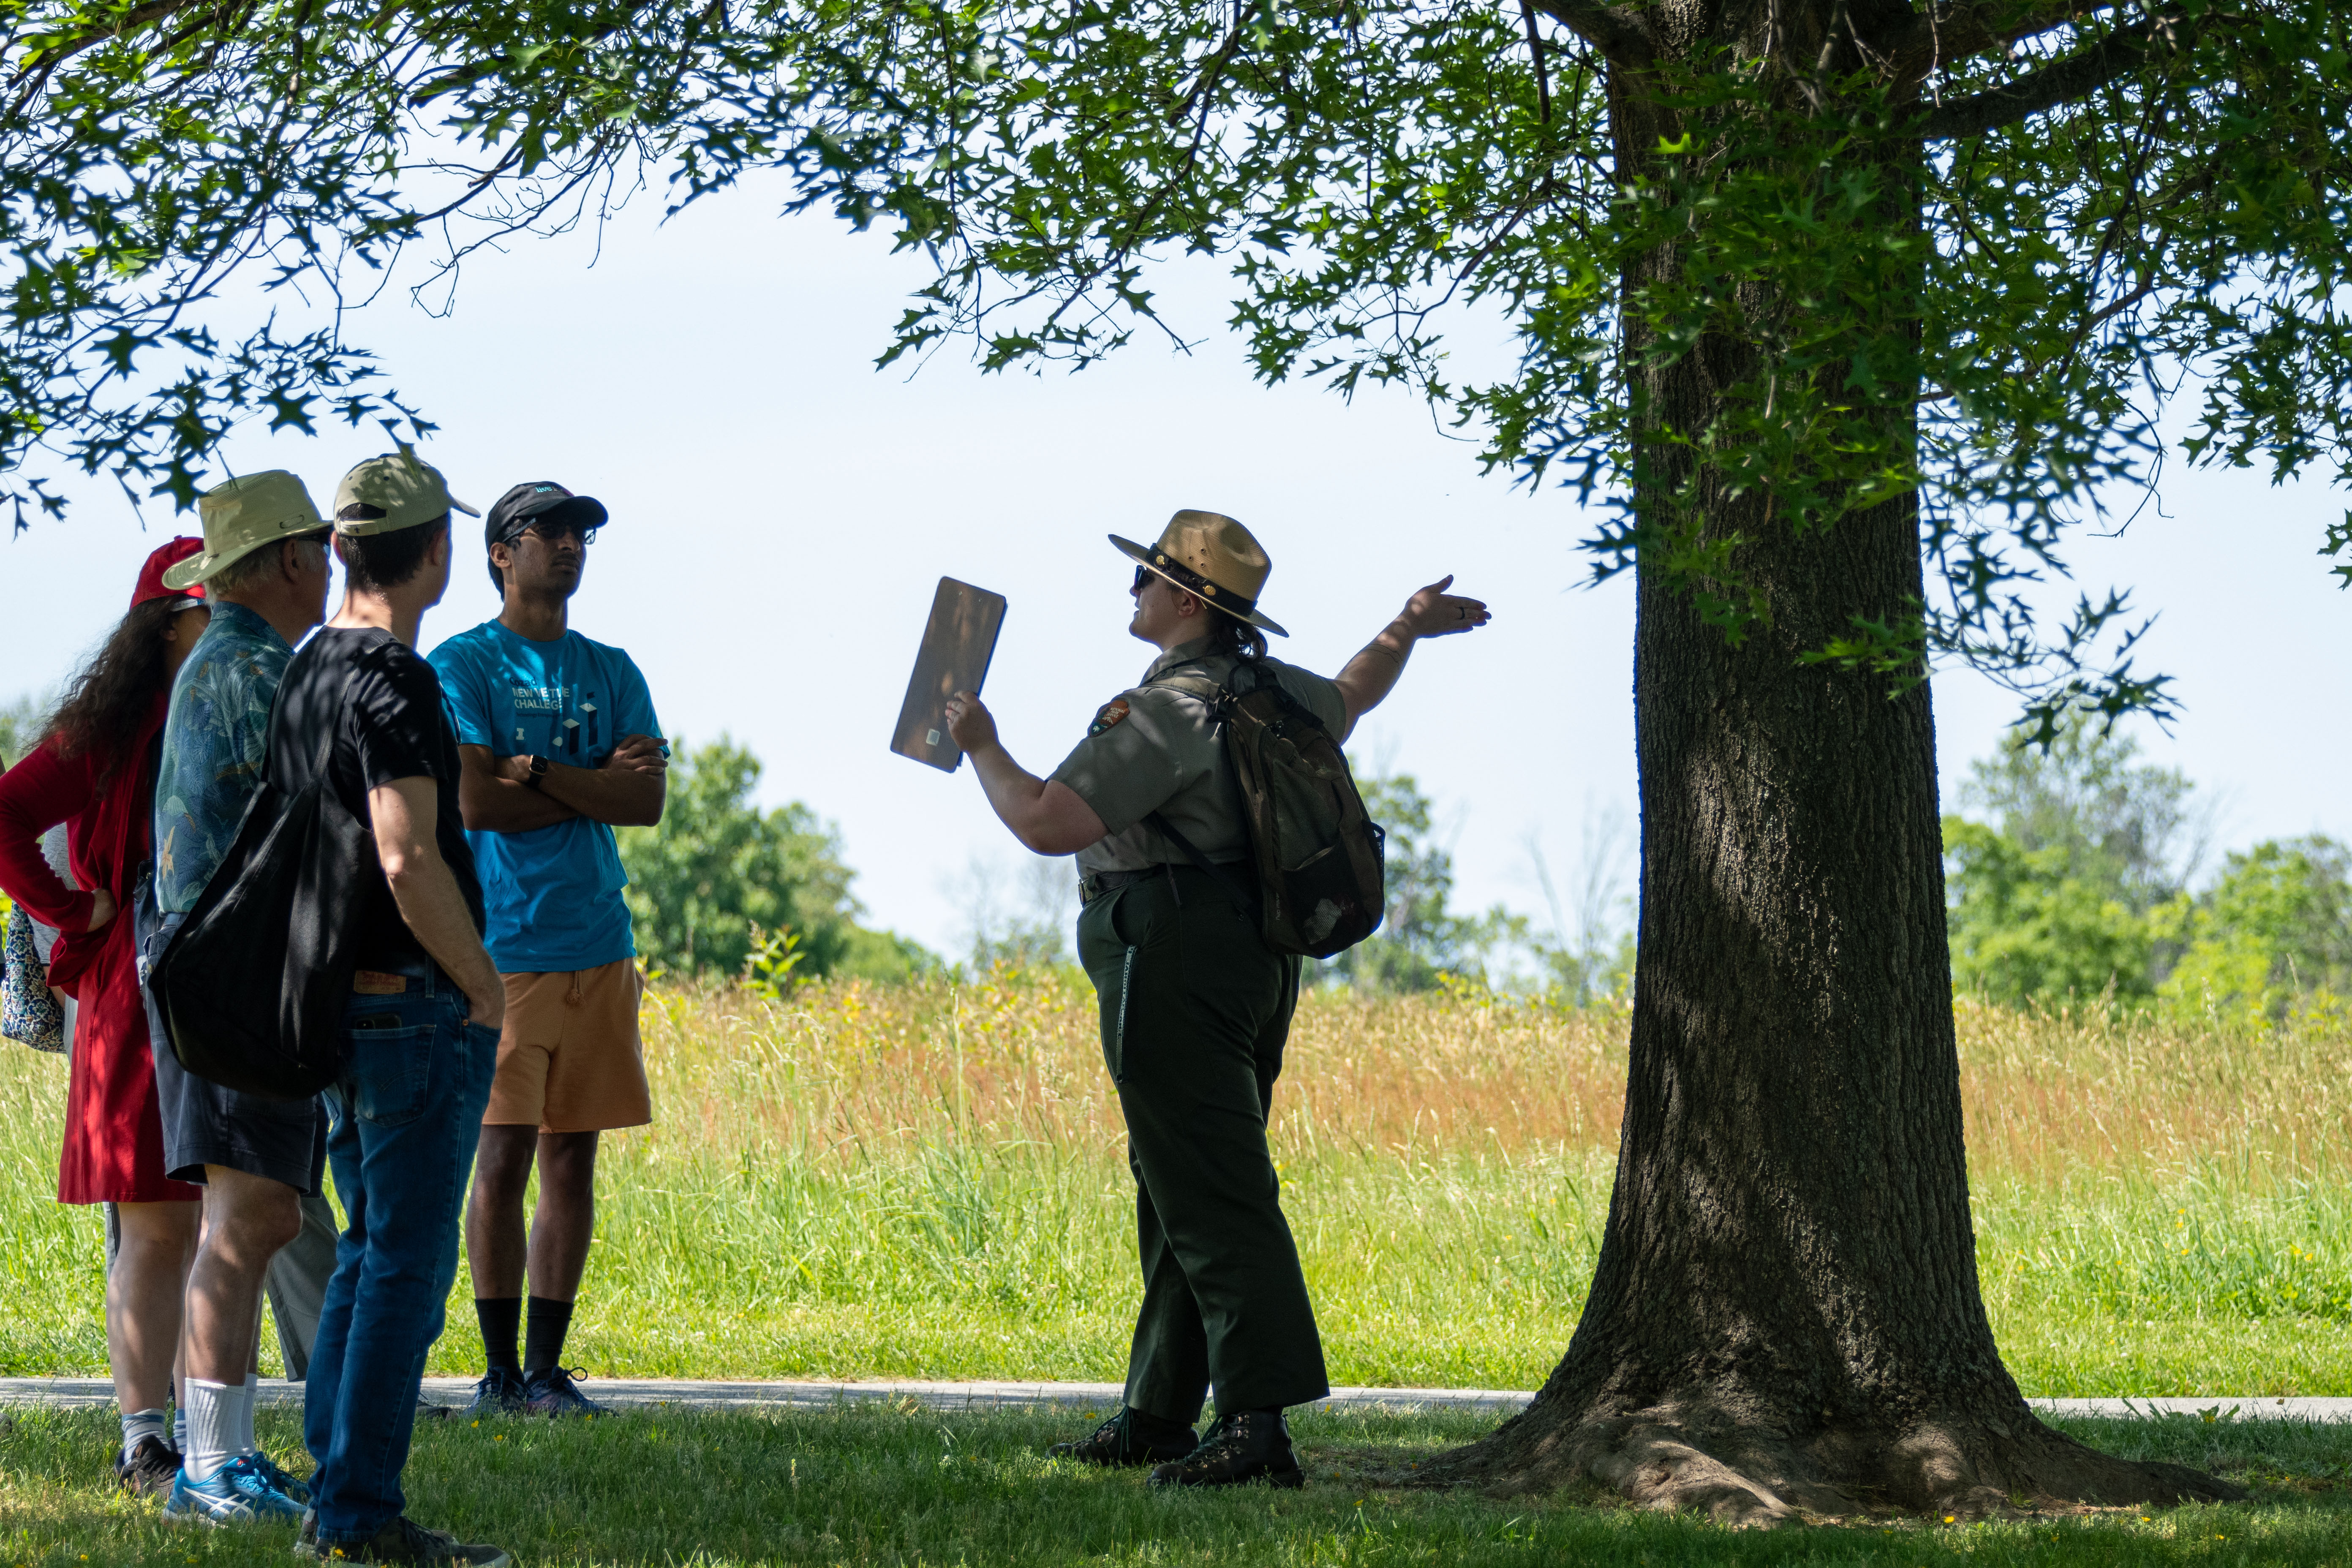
1208, 690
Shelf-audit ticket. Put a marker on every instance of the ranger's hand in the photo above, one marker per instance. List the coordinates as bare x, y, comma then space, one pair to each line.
1435, 613
970, 722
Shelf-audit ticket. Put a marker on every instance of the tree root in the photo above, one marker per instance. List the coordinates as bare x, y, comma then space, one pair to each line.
1747, 1473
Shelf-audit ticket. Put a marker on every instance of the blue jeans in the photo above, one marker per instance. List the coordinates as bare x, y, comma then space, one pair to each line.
403, 1120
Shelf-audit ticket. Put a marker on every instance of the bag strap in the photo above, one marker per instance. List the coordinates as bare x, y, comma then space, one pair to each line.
327, 739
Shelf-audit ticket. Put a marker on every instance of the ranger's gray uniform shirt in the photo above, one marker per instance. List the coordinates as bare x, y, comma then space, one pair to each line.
1158, 749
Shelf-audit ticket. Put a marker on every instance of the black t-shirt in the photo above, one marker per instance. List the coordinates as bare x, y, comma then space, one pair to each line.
394, 725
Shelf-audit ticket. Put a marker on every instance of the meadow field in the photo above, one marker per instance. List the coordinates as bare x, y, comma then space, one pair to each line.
928, 1179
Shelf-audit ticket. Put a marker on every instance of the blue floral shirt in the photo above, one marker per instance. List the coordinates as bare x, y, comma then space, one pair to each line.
216, 739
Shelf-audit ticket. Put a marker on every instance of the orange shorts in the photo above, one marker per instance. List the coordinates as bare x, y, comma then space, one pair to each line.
570, 1060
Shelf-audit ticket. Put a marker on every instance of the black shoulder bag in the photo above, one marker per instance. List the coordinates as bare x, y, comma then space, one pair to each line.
252, 986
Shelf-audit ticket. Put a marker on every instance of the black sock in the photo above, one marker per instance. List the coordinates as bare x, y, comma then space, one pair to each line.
1151, 1428
502, 1320
543, 1340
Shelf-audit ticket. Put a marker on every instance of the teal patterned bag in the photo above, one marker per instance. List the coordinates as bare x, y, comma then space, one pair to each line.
29, 1013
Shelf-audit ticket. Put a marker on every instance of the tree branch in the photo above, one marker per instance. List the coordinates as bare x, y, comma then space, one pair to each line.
1619, 32
1957, 30
2061, 81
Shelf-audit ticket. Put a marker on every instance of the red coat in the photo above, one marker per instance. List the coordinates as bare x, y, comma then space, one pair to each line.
114, 1134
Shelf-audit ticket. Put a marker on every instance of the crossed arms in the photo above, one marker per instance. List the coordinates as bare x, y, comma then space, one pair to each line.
626, 790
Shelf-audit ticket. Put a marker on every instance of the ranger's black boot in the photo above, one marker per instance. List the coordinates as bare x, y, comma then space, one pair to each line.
1247, 1446
1129, 1437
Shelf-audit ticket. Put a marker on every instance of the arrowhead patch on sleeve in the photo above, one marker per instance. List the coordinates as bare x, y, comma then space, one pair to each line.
1108, 715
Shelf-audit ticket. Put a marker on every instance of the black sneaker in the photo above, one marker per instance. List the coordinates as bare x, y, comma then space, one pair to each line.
498, 1394
1247, 1446
148, 1469
403, 1542
550, 1393
1129, 1437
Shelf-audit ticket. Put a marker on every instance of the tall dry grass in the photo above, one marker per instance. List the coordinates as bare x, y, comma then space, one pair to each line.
856, 1067
930, 1180
2046, 1096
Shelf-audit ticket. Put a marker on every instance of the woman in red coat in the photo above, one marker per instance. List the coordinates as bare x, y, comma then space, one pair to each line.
95, 772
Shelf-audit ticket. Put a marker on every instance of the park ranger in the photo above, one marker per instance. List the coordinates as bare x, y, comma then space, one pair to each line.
1195, 1006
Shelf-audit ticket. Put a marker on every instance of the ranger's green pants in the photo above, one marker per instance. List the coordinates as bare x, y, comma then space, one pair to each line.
1195, 1009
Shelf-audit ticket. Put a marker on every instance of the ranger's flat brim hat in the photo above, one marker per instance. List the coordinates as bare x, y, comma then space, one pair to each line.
1211, 556
401, 488
243, 515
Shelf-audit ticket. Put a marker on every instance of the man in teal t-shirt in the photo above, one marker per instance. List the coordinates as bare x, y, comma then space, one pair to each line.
560, 745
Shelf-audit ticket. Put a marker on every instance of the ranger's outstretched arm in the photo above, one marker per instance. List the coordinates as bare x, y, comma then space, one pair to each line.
1049, 818
1372, 674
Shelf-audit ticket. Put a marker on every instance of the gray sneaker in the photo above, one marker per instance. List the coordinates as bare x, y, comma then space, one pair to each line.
551, 1393
501, 1392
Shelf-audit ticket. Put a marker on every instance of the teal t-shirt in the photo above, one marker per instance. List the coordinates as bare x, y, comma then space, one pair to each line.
553, 894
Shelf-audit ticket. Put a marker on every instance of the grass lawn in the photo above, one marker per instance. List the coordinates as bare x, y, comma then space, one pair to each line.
871, 1484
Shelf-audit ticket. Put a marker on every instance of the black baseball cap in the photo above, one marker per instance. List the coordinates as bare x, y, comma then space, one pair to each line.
528, 502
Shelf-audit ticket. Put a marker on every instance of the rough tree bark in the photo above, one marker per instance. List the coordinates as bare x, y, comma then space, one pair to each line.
1785, 1317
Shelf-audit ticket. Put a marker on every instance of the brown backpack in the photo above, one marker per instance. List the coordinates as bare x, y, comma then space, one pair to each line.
1321, 881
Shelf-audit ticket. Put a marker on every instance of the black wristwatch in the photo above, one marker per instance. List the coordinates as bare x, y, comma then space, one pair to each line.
538, 770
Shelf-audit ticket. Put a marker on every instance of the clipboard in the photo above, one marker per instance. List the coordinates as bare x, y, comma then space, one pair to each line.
958, 640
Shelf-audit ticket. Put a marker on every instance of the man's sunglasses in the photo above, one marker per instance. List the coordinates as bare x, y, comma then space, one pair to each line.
1142, 574
552, 532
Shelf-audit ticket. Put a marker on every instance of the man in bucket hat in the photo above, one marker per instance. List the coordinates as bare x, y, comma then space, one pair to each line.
1195, 1006
267, 1223
421, 1023
560, 746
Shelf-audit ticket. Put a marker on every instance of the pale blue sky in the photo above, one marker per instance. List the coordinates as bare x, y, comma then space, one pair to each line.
782, 512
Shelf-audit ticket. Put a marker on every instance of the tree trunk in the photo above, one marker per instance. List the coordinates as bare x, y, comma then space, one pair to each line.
1785, 1317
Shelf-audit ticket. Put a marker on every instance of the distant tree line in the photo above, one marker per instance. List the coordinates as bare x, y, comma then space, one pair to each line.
2072, 875
1424, 943
722, 889
2076, 874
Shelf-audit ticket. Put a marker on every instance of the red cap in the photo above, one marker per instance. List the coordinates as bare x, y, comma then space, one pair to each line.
150, 576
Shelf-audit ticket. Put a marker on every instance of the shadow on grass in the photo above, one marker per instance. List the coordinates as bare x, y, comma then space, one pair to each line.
874, 1485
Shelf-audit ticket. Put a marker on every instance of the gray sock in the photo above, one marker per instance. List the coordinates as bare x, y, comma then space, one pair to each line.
139, 1423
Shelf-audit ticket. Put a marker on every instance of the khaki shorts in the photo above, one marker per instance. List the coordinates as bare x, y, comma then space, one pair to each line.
570, 1060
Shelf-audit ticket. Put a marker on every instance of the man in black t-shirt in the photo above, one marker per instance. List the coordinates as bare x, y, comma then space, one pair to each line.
421, 1027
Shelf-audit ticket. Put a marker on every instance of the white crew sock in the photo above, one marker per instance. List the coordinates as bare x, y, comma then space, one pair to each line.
212, 1426
245, 1401
180, 1426
139, 1423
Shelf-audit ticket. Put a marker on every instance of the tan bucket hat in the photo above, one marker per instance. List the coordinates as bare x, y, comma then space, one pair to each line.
243, 515
1209, 554
408, 490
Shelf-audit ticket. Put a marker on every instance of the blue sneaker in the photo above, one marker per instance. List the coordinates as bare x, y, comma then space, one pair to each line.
236, 1492
275, 1474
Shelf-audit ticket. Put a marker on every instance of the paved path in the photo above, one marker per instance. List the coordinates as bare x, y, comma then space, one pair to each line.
1103, 1396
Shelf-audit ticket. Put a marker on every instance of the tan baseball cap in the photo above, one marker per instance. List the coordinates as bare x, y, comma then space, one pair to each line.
405, 488
1209, 554
243, 515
